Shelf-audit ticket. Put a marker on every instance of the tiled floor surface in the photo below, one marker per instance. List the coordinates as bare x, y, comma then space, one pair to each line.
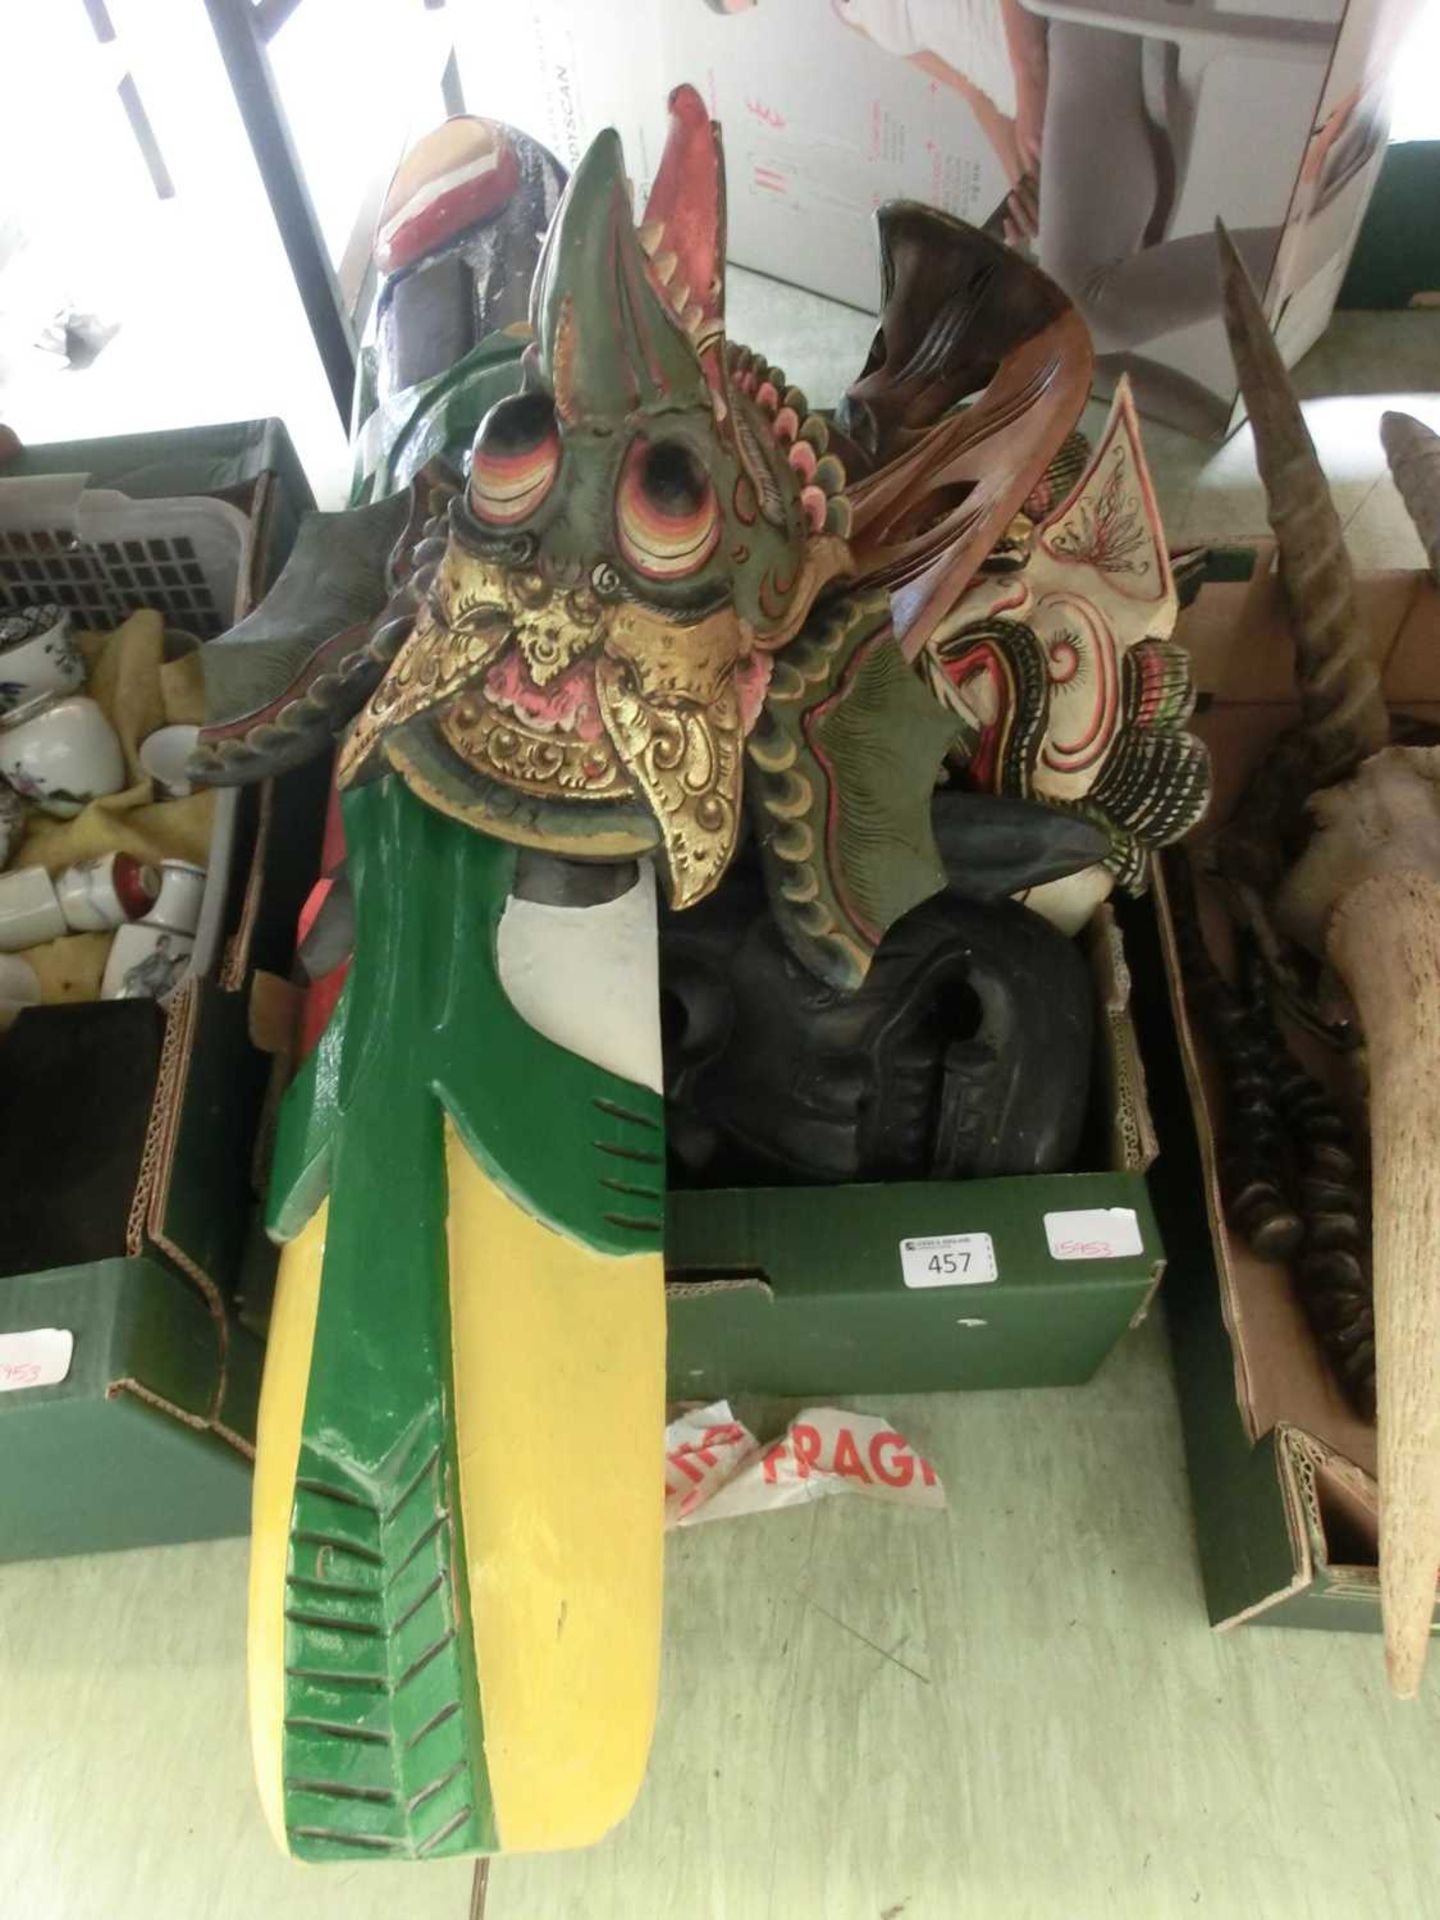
1013, 1710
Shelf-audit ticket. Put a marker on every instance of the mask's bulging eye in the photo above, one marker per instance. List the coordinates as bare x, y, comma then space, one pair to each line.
666, 515
515, 459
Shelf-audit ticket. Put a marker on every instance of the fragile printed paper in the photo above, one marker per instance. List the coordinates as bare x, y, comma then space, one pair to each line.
715, 1468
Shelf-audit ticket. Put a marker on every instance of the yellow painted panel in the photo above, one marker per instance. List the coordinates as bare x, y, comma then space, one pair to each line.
277, 1456
560, 1407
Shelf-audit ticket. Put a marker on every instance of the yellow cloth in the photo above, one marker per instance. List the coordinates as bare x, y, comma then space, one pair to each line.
139, 691
70, 968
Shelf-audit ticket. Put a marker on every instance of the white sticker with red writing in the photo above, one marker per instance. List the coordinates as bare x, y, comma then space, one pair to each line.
715, 1469
948, 1260
1094, 1233
37, 1358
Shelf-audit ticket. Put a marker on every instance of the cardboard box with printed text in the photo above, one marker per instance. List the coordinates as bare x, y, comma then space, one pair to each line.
1105, 136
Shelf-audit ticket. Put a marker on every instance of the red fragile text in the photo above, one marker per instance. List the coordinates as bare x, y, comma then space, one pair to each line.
696, 1458
881, 1459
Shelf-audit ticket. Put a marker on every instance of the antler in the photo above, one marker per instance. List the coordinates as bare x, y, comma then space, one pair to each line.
1342, 709
1413, 452
1364, 894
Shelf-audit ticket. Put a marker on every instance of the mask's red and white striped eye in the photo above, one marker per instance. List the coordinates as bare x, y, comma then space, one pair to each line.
666, 513
515, 459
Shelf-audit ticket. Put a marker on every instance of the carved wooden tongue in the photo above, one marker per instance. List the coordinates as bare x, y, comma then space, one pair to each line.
567, 702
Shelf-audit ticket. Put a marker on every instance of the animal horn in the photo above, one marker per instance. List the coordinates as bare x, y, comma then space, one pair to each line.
1365, 894
1413, 451
1343, 711
1384, 940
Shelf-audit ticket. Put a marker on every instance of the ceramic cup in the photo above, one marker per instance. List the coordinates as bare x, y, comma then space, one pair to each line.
106, 892
38, 659
163, 755
29, 909
12, 822
63, 757
145, 963
182, 888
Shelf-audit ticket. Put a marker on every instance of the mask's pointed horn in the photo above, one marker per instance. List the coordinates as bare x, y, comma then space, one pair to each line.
1413, 451
1340, 699
683, 231
609, 344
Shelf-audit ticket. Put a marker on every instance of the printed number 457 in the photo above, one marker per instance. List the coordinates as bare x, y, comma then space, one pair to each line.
951, 1262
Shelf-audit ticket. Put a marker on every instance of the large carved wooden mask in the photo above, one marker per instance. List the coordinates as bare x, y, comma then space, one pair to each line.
643, 526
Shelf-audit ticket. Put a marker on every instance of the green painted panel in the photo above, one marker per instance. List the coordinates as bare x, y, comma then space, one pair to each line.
382, 1749
378, 1647
424, 1018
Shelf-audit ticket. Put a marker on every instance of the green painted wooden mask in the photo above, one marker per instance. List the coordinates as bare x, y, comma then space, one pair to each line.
647, 521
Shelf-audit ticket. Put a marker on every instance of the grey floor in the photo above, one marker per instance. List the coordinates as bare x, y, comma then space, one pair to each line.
1011, 1709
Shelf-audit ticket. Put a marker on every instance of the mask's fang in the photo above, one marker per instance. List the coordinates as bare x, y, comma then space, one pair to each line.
685, 760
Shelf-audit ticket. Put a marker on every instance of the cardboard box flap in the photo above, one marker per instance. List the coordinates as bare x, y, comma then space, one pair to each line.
1411, 679
1122, 1090
195, 1192
1339, 1503
125, 1449
1237, 630
719, 1283
137, 1329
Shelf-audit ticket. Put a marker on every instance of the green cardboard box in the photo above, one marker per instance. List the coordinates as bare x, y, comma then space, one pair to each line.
1282, 1471
808, 1291
147, 1439
142, 1432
